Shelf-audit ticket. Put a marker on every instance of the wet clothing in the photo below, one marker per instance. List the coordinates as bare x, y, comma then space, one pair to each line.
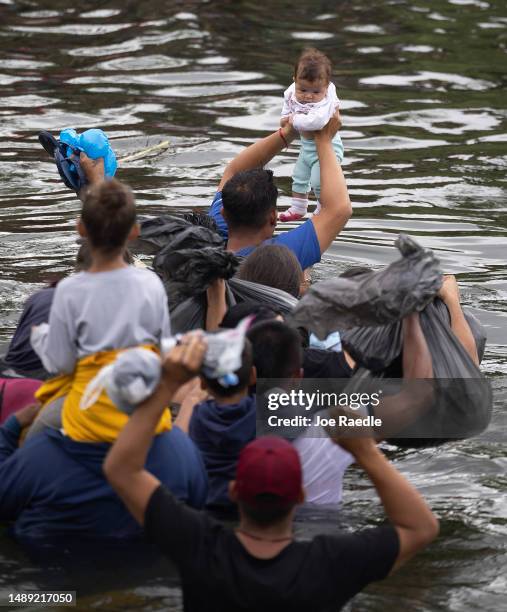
318, 363
16, 393
102, 421
218, 573
302, 240
220, 432
20, 355
52, 484
102, 311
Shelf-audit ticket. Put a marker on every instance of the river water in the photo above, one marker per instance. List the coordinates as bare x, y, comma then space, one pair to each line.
424, 109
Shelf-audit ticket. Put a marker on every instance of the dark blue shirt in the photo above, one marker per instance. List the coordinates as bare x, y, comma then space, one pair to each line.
302, 240
52, 484
36, 311
220, 431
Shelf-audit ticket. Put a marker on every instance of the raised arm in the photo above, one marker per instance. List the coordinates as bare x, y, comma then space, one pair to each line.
259, 153
124, 464
417, 361
336, 208
217, 304
449, 294
406, 509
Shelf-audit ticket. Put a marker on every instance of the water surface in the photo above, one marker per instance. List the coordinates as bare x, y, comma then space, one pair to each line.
424, 108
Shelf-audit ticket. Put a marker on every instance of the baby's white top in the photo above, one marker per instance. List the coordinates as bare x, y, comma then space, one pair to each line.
310, 116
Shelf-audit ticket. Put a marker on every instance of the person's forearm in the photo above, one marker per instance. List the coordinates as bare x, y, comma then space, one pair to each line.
333, 187
403, 504
217, 306
417, 362
462, 331
259, 153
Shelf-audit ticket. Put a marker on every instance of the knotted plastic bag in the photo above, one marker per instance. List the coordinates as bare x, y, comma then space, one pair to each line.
136, 372
372, 298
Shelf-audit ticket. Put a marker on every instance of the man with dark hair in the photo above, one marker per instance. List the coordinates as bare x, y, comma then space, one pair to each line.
260, 565
244, 207
277, 350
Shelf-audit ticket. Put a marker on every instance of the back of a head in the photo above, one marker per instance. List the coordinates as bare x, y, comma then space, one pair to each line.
108, 214
248, 198
273, 265
277, 351
240, 311
243, 374
313, 65
268, 480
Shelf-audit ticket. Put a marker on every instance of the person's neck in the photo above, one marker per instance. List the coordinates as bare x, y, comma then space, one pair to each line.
231, 399
267, 541
244, 237
106, 262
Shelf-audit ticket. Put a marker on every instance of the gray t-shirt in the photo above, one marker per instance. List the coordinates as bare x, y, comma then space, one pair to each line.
100, 311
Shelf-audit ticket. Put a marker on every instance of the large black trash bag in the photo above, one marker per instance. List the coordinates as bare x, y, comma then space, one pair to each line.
379, 348
189, 272
372, 298
190, 255
462, 395
160, 232
191, 313
462, 402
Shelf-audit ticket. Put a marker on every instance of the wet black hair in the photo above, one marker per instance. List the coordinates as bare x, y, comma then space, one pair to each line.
277, 351
274, 265
108, 214
243, 374
248, 198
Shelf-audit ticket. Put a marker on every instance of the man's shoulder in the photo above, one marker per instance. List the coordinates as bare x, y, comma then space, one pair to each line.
296, 234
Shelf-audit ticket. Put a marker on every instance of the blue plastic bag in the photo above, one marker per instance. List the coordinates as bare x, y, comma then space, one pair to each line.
95, 144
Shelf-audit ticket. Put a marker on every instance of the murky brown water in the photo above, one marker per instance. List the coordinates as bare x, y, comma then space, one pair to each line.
424, 108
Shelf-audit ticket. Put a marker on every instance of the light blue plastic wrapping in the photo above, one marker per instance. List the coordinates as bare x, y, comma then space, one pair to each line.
95, 144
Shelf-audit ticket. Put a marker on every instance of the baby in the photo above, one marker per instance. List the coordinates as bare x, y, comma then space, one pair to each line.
308, 104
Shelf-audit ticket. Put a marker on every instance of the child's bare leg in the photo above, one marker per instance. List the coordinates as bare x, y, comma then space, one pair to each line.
298, 207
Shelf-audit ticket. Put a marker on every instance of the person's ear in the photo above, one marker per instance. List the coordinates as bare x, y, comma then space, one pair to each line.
204, 386
253, 376
273, 216
134, 232
302, 496
223, 213
300, 374
81, 229
233, 491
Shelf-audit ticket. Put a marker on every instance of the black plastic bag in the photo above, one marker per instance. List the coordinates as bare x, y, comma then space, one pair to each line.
162, 231
190, 255
377, 348
191, 313
191, 271
372, 298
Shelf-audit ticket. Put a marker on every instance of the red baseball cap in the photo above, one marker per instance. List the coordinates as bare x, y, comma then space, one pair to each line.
269, 465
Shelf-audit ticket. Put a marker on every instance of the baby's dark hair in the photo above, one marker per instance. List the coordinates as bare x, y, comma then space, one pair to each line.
108, 214
312, 65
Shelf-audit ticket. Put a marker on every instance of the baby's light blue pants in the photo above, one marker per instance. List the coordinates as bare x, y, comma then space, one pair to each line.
306, 173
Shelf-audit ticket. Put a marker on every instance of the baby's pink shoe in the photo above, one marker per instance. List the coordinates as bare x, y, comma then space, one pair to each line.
290, 215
